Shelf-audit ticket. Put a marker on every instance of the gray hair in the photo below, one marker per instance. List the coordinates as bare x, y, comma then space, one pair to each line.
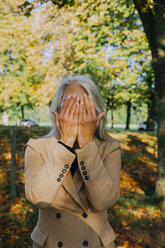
92, 90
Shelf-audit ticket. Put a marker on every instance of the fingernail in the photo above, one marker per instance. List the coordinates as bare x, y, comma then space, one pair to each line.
85, 94
90, 96
78, 98
74, 95
69, 96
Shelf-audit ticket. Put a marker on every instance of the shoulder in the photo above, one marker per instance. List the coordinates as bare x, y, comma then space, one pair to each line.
107, 146
41, 142
37, 141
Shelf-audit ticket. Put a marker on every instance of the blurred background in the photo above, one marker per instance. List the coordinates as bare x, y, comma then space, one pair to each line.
119, 44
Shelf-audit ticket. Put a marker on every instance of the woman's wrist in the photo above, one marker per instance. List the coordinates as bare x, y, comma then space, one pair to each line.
67, 141
83, 143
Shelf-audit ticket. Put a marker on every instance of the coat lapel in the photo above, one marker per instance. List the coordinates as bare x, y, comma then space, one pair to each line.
77, 179
71, 184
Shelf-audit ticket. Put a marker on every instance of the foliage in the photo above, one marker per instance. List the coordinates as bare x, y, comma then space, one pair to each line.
18, 74
106, 42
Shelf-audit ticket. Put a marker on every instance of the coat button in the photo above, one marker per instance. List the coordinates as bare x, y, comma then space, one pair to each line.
61, 175
86, 177
63, 171
83, 167
66, 166
58, 215
60, 244
84, 173
84, 215
82, 162
85, 243
58, 179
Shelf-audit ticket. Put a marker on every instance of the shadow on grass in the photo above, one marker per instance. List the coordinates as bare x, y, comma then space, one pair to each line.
141, 171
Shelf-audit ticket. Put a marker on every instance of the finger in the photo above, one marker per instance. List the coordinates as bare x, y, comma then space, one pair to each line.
68, 106
69, 98
64, 99
82, 111
92, 106
87, 104
99, 117
72, 109
76, 113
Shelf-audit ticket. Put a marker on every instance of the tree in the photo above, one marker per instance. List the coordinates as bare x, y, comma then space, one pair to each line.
149, 98
152, 16
18, 75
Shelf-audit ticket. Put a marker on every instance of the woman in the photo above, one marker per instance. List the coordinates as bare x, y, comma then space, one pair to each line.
73, 174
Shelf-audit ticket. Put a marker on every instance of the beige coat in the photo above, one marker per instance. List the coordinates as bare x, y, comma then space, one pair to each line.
72, 210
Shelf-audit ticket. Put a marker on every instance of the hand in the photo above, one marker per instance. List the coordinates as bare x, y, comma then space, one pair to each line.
87, 120
67, 120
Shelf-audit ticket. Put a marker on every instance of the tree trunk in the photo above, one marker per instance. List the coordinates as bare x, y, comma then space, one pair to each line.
128, 114
154, 27
159, 67
112, 118
151, 115
110, 105
151, 119
22, 111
